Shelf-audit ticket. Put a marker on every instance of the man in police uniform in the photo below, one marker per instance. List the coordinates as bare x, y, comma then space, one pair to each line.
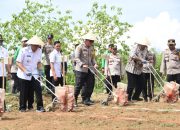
134, 69
148, 89
29, 69
114, 69
85, 58
170, 64
47, 49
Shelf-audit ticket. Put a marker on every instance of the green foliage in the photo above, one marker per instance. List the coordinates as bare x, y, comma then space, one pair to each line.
37, 19
44, 18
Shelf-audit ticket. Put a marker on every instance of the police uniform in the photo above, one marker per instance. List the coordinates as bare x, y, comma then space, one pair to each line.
148, 89
29, 60
47, 49
104, 65
55, 58
114, 70
170, 64
134, 70
84, 77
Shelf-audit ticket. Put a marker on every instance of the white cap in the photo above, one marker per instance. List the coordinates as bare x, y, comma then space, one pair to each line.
89, 36
24, 39
144, 41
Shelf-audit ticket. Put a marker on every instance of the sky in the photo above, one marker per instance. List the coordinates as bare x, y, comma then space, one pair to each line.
158, 20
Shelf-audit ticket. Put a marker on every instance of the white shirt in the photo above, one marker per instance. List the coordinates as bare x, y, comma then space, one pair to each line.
55, 58
3, 55
29, 60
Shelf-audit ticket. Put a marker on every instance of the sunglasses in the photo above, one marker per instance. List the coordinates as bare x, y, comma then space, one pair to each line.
171, 40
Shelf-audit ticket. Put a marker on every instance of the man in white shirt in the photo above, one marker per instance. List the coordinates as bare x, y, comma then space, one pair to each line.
56, 68
29, 68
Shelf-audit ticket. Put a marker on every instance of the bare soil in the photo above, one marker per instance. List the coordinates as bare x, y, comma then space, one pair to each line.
135, 116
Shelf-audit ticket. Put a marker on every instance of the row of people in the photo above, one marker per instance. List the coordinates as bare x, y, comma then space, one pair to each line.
29, 66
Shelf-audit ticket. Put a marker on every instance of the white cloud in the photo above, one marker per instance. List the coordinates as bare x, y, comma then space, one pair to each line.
158, 30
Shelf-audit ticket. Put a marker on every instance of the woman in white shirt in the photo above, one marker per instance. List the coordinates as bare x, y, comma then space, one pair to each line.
55, 64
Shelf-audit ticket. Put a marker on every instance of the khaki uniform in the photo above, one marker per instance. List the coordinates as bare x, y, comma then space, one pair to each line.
115, 65
170, 62
150, 57
84, 56
84, 77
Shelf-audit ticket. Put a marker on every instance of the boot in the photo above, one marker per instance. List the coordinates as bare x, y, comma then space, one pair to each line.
87, 102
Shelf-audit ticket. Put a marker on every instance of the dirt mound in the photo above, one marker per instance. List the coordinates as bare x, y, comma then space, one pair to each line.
137, 115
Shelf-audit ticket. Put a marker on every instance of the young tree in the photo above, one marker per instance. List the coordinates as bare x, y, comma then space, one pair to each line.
37, 19
107, 26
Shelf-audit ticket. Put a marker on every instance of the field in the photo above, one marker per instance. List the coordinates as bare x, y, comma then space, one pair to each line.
135, 116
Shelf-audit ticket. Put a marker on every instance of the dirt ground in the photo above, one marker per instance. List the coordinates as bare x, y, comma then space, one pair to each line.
135, 116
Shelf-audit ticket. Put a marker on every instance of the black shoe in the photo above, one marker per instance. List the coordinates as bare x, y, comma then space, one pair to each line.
137, 99
22, 110
91, 101
87, 103
41, 109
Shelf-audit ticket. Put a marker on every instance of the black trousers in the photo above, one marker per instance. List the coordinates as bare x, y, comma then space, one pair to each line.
1, 82
47, 73
27, 90
134, 82
56, 83
84, 81
148, 89
175, 77
26, 94
16, 85
115, 80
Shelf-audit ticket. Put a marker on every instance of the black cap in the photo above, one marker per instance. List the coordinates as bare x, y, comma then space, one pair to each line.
50, 36
111, 45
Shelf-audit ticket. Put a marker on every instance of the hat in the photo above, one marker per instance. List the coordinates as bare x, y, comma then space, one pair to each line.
1, 38
171, 41
50, 36
35, 40
24, 39
89, 36
144, 41
110, 45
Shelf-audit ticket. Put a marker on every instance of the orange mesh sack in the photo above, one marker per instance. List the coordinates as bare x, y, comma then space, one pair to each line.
2, 98
171, 90
65, 95
121, 97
